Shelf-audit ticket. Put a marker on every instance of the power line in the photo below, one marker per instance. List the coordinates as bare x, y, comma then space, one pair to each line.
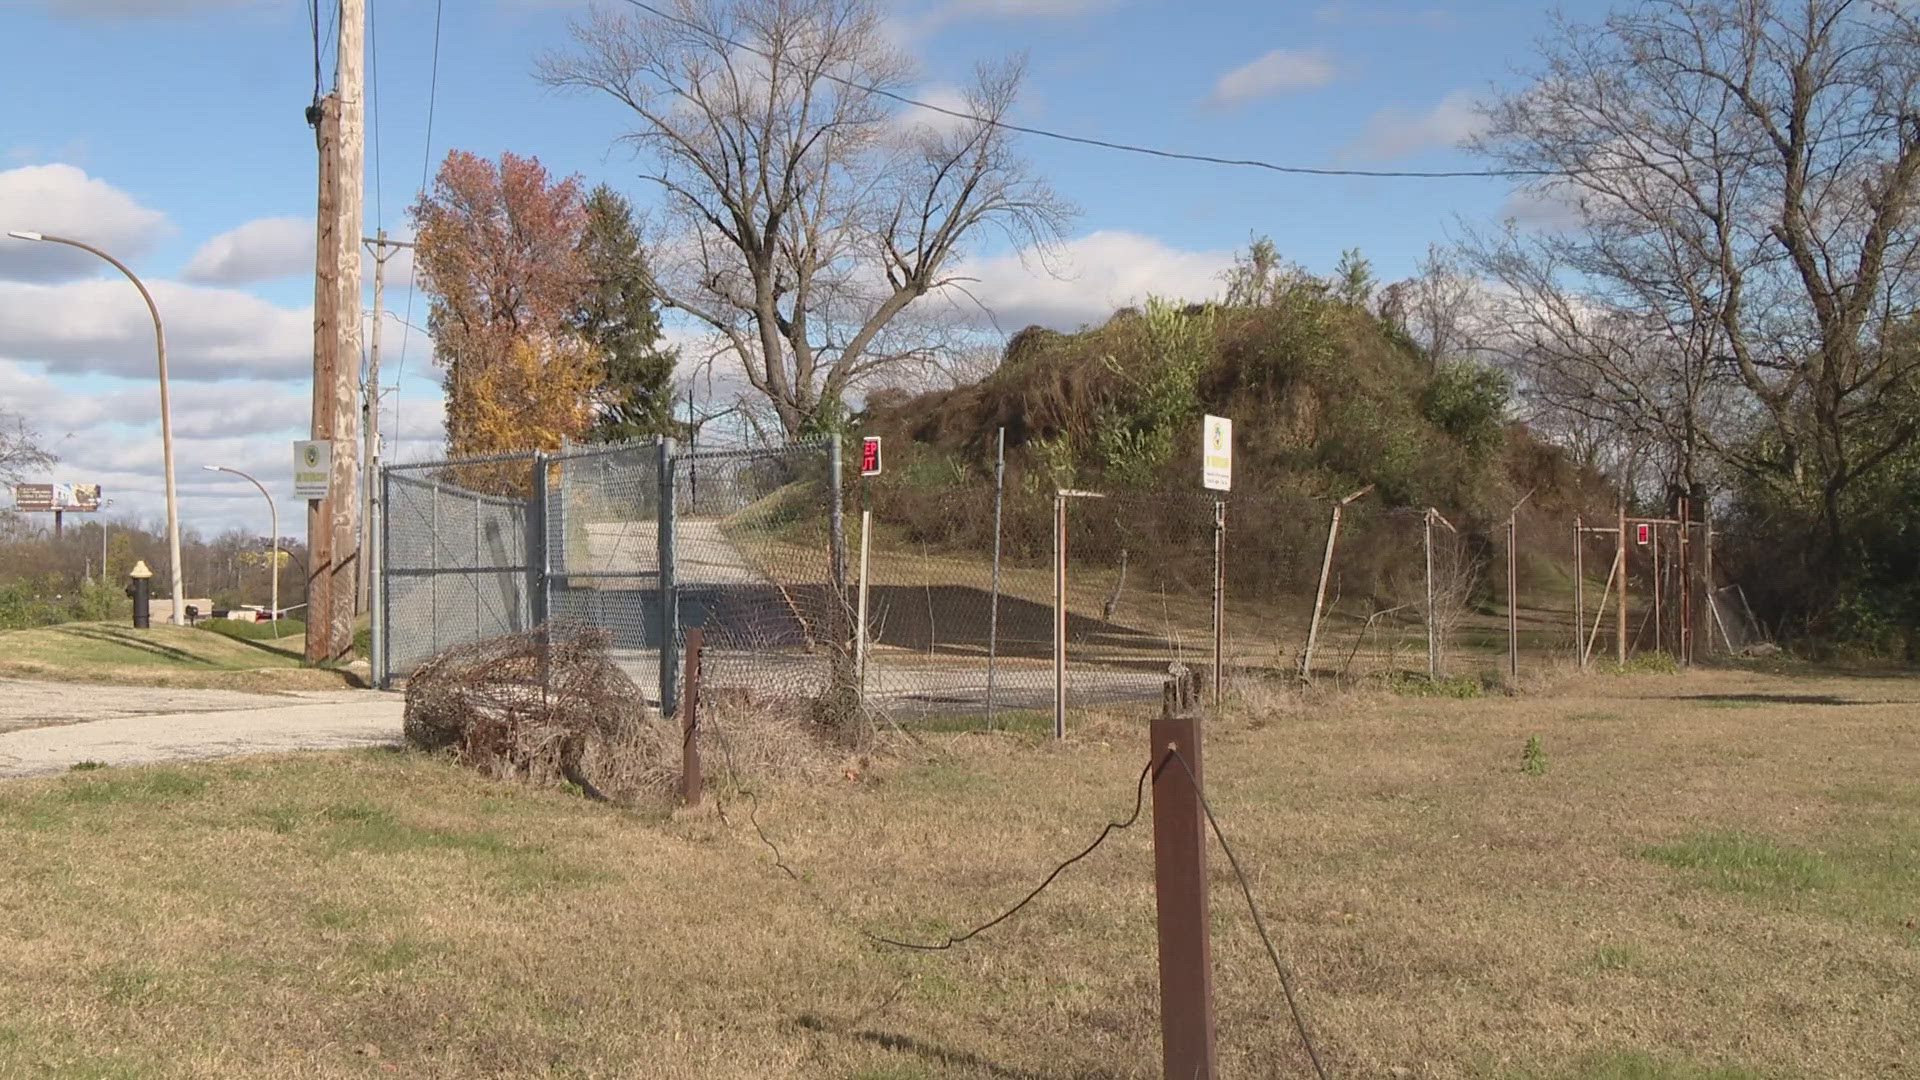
1214, 159
1106, 144
313, 23
1286, 979
426, 164
373, 85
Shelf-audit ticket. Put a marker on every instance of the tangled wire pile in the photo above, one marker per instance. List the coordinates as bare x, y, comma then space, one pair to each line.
545, 706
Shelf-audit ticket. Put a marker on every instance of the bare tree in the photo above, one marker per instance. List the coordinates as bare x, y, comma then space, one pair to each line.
1437, 307
806, 214
1742, 175
20, 449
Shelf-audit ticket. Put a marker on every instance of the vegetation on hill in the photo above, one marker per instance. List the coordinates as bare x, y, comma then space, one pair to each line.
1326, 397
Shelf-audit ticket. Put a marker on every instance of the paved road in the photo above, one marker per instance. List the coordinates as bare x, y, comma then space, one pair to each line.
55, 725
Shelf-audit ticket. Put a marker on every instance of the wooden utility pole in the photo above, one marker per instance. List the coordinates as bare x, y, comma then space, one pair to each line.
333, 561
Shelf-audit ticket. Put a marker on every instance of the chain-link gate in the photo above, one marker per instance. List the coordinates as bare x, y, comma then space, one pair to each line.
641, 540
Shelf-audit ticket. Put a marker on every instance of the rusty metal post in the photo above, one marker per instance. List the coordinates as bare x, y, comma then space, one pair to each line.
1180, 886
692, 783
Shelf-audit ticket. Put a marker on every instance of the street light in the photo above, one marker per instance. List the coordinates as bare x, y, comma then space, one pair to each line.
166, 419
273, 514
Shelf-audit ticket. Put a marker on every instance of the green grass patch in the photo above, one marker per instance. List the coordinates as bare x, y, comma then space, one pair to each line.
1745, 863
1446, 686
1636, 1065
145, 786
248, 630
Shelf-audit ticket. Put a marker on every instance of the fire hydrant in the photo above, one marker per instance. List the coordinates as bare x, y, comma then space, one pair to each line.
140, 585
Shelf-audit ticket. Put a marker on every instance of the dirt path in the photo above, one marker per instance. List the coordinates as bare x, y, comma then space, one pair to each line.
47, 727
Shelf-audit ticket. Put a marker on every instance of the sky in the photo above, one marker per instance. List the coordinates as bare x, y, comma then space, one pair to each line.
171, 133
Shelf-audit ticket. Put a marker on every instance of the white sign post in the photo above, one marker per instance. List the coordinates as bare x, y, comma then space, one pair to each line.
1216, 454
312, 468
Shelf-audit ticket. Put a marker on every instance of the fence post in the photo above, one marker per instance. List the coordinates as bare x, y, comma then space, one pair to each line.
1579, 591
860, 642
1620, 561
376, 576
1219, 595
669, 616
993, 609
1060, 615
1433, 652
538, 561
433, 580
1180, 886
476, 575
692, 783
1686, 580
1513, 593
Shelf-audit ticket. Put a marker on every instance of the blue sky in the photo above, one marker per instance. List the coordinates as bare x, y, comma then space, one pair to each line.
171, 132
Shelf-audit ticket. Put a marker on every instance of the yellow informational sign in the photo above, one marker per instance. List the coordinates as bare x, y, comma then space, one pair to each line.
312, 468
1216, 454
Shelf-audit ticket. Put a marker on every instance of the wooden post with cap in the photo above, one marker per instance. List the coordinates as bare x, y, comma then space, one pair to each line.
1180, 885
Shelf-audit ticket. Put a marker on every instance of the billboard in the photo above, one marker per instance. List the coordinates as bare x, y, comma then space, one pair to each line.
44, 498
33, 497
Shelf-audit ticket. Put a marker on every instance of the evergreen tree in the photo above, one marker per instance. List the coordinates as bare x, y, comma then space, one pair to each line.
620, 315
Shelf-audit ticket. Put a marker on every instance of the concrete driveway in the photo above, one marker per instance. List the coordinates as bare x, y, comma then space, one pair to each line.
49, 726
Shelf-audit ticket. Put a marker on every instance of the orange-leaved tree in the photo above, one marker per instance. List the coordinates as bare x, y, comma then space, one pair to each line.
499, 255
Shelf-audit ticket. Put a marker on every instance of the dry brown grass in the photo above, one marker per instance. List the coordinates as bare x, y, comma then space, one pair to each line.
1718, 875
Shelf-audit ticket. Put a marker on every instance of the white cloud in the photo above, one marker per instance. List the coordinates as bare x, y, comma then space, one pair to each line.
1339, 12
1100, 273
65, 201
1276, 72
1548, 208
913, 118
1026, 8
1396, 133
101, 326
260, 250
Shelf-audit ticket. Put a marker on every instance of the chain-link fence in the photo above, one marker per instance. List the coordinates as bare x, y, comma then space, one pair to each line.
457, 557
641, 540
981, 599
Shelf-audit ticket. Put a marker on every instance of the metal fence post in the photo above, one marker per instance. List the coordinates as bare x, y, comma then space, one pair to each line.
993, 610
377, 575
1060, 615
433, 580
692, 782
476, 575
1180, 886
669, 616
539, 561
1219, 595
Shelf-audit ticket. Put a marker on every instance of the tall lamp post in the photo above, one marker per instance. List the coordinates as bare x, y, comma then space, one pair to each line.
273, 514
166, 418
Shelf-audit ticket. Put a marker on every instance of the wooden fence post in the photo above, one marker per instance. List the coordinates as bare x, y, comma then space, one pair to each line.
692, 783
1180, 886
